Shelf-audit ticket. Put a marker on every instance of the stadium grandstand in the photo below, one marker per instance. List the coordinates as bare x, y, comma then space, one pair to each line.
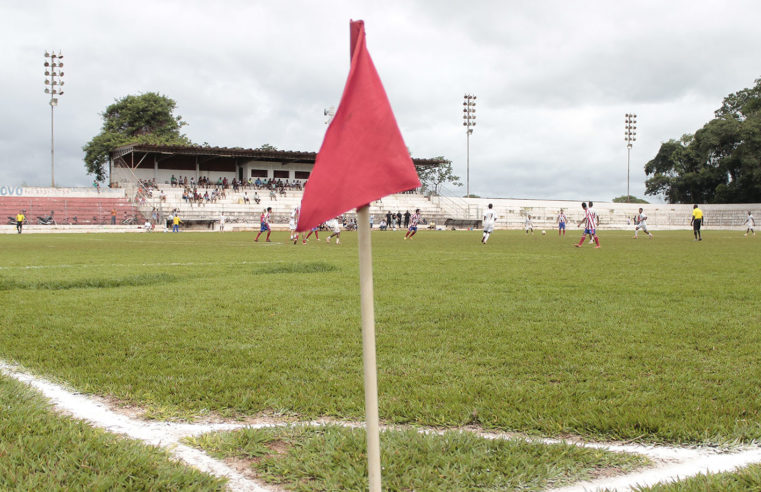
149, 180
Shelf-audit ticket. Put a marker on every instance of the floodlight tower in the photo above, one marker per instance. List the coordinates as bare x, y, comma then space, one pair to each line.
468, 121
630, 135
54, 87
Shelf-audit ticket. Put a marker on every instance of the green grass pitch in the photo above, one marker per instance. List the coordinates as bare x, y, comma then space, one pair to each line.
647, 340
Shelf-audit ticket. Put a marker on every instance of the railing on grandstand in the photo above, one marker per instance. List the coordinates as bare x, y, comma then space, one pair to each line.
453, 205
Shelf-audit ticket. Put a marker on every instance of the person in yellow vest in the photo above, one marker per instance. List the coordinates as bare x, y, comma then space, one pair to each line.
176, 223
20, 221
696, 222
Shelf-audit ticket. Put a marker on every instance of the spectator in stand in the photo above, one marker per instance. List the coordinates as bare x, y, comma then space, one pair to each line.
224, 183
173, 181
245, 197
162, 196
192, 181
258, 183
113, 216
273, 195
256, 198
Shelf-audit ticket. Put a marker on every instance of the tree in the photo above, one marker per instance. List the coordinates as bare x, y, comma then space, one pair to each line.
145, 119
631, 199
432, 177
720, 163
266, 147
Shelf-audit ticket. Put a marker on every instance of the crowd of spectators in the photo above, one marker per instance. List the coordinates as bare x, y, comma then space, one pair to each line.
277, 185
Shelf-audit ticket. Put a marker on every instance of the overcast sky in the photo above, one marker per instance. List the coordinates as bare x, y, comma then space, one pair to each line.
553, 79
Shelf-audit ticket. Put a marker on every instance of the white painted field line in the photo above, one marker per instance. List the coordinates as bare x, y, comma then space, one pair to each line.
163, 434
671, 463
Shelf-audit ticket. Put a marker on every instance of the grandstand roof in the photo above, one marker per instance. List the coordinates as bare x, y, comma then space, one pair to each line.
280, 156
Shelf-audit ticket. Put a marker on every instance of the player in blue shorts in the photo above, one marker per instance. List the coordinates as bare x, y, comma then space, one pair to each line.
412, 230
264, 220
562, 219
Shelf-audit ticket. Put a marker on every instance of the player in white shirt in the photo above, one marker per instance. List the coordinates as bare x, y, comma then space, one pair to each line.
528, 225
335, 226
640, 222
293, 222
750, 222
490, 218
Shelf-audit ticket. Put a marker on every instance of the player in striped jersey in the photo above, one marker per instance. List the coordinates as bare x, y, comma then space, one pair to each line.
264, 223
562, 219
640, 222
590, 224
490, 217
414, 219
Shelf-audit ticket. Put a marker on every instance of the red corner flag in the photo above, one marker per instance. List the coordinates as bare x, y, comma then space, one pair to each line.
363, 157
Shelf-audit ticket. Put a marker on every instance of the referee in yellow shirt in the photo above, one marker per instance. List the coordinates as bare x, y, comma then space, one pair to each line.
20, 221
696, 222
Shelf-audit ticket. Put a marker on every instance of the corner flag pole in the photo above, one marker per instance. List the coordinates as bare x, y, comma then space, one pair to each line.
368, 348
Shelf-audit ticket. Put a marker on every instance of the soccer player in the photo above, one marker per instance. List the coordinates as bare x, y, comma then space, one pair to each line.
529, 226
749, 221
335, 226
490, 217
414, 219
264, 224
696, 222
562, 219
594, 214
589, 227
640, 222
316, 234
292, 223
20, 221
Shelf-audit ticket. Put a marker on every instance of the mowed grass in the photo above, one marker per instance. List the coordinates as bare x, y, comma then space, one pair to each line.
646, 340
334, 458
40, 450
742, 480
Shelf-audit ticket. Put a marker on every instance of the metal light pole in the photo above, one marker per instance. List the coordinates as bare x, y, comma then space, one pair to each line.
630, 135
54, 87
468, 121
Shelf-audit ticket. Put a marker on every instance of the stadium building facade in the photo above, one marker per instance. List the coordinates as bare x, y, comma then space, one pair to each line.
158, 163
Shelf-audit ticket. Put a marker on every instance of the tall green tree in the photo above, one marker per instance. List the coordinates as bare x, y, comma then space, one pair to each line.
144, 119
432, 177
629, 199
720, 163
